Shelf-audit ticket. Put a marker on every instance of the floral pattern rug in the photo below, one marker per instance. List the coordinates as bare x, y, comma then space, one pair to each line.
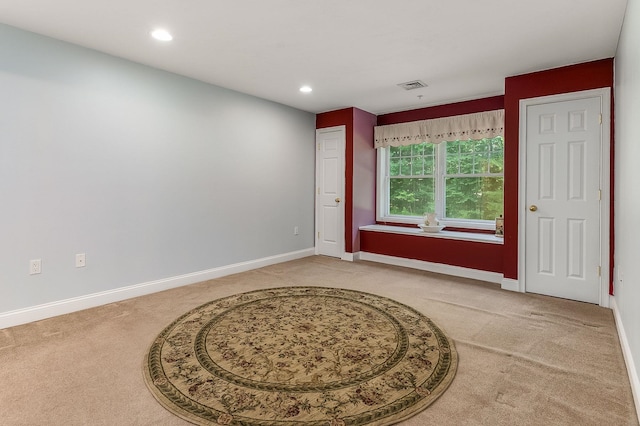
300, 356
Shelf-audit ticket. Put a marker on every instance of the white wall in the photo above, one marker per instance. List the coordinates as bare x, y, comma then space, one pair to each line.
627, 189
152, 175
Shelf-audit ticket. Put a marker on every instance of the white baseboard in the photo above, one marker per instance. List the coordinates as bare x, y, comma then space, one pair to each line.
61, 307
347, 256
511, 285
628, 358
440, 268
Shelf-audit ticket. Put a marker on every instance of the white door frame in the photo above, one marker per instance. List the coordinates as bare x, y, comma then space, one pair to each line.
605, 182
341, 226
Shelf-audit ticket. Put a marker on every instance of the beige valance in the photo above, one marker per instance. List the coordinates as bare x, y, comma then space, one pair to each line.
489, 124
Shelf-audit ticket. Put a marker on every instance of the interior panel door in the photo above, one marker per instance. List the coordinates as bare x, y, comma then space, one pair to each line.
562, 247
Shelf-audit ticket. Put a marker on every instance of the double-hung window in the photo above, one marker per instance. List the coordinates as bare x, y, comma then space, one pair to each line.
461, 180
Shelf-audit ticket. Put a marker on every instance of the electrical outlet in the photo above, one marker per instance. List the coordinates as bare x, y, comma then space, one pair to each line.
295, 230
81, 260
35, 266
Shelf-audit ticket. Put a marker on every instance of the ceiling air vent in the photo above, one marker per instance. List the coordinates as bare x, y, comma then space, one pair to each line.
410, 85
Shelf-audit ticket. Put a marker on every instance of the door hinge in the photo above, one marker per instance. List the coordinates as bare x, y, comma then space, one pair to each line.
600, 118
599, 194
318, 190
318, 147
318, 234
599, 269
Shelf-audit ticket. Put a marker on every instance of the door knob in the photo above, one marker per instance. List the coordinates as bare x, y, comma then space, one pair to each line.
338, 200
533, 207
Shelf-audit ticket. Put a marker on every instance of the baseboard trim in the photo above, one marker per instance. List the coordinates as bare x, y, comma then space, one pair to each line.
61, 307
347, 256
511, 285
626, 352
440, 268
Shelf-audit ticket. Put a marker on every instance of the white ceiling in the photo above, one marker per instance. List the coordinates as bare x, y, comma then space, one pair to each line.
352, 52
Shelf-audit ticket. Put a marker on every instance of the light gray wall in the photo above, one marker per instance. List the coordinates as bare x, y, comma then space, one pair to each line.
627, 176
152, 175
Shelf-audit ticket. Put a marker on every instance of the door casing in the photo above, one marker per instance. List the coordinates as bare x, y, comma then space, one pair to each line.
605, 178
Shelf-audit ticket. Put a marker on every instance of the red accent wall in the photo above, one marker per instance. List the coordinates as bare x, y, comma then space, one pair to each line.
364, 175
574, 78
360, 169
457, 108
467, 254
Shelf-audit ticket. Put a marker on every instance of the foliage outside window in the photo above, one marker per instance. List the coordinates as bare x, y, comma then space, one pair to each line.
459, 180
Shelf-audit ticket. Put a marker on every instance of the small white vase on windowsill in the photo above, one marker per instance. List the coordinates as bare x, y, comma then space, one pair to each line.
431, 223
430, 219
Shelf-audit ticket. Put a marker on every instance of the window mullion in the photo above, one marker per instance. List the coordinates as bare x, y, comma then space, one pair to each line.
387, 179
439, 175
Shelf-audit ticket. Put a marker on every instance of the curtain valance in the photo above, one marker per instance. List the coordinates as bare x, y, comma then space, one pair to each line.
489, 124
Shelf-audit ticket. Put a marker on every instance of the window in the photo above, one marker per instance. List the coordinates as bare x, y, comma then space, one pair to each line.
462, 181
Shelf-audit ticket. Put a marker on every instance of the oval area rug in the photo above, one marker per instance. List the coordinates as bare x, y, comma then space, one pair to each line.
300, 356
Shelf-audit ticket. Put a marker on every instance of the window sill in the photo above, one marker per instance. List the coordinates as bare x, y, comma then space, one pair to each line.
451, 235
485, 225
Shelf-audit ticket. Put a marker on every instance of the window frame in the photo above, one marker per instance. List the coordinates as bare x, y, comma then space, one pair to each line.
383, 188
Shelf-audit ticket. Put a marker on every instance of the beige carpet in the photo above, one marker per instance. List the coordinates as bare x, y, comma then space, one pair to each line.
523, 359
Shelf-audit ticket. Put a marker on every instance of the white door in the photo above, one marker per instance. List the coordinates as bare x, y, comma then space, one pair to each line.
330, 177
562, 214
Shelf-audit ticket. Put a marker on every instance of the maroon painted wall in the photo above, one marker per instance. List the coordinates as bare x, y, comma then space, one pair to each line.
468, 254
574, 78
428, 113
364, 174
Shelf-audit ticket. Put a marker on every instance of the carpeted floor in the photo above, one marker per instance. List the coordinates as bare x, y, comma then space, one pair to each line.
523, 359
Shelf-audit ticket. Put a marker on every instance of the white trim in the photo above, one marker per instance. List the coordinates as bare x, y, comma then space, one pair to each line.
511, 285
451, 235
347, 256
440, 268
628, 356
61, 307
341, 220
605, 178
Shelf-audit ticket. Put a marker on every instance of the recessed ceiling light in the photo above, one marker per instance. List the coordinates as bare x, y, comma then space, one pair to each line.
162, 35
306, 89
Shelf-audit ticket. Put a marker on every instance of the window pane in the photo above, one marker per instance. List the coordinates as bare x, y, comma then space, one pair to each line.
405, 151
496, 162
412, 196
452, 164
417, 149
466, 164
482, 145
428, 165
418, 166
394, 151
481, 163
479, 198
475, 156
405, 166
466, 147
394, 167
